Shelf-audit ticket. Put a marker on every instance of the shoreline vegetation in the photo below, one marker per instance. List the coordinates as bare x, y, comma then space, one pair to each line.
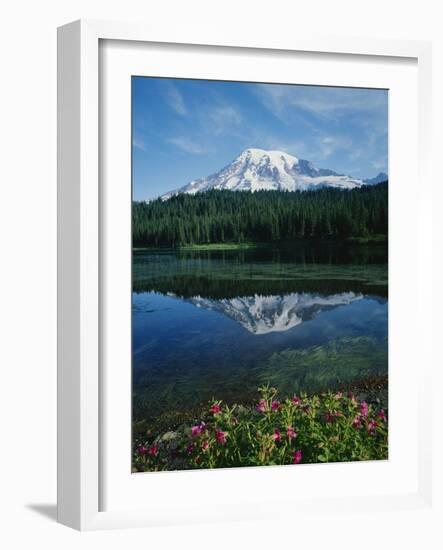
372, 240
333, 426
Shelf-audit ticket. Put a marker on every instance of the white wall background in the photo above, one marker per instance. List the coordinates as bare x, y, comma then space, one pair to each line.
28, 264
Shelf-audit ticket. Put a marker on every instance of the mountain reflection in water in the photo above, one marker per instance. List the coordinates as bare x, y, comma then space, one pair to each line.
263, 314
221, 324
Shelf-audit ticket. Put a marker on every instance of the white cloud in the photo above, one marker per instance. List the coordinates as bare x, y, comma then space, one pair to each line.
380, 164
138, 143
222, 118
188, 145
325, 102
175, 100
316, 149
329, 145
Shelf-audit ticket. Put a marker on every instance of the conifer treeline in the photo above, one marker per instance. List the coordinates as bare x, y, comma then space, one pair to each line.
263, 216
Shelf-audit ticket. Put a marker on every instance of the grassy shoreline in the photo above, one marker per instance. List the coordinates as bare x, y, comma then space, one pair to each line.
373, 389
373, 240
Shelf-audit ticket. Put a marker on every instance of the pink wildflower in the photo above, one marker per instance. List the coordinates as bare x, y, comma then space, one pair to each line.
330, 416
142, 450
205, 445
197, 429
215, 409
381, 415
297, 457
296, 400
338, 395
291, 433
371, 427
261, 407
356, 423
190, 448
364, 408
153, 450
277, 435
220, 437
275, 405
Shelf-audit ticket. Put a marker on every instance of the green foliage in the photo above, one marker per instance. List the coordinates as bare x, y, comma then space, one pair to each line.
330, 427
264, 216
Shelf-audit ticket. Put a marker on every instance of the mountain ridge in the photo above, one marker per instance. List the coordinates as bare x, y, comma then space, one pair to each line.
259, 169
379, 178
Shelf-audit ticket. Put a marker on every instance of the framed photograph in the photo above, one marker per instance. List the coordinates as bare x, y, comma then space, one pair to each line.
241, 230
265, 283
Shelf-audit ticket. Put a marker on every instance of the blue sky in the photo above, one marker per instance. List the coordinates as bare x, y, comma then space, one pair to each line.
186, 129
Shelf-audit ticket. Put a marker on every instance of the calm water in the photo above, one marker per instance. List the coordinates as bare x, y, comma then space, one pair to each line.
220, 324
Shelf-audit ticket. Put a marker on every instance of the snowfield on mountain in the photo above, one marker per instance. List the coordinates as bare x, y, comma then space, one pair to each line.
257, 170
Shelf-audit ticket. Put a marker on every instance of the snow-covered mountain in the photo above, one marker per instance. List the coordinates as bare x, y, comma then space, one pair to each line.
257, 169
264, 314
379, 178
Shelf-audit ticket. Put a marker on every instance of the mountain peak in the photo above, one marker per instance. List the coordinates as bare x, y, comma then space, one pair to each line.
257, 169
379, 178
259, 155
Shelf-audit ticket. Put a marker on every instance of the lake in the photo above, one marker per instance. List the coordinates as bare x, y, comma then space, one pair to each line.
219, 324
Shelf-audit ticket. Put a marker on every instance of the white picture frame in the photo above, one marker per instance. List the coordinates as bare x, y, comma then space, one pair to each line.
81, 413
